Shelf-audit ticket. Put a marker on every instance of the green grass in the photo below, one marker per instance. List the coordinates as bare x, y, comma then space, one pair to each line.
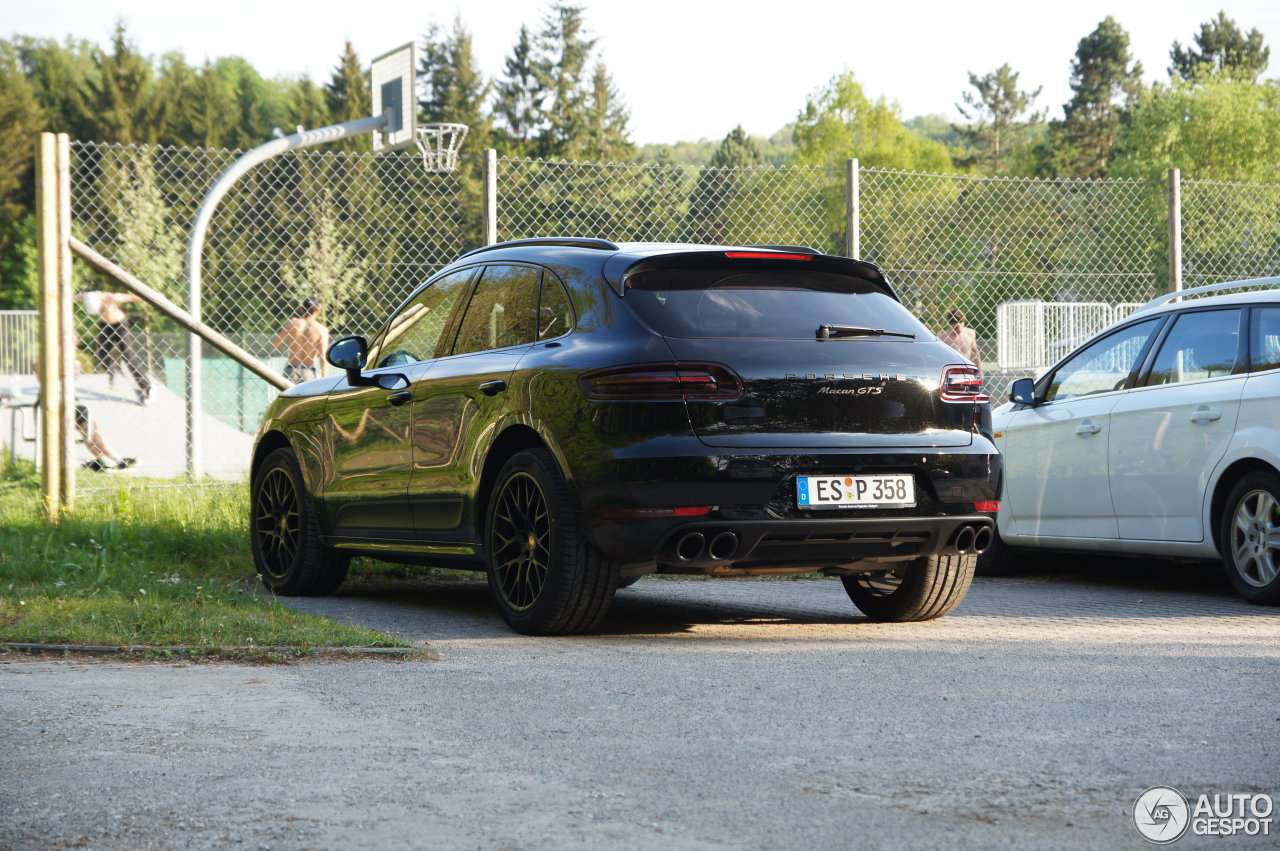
145, 566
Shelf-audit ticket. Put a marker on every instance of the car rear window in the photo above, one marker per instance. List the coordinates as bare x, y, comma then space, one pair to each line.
701, 302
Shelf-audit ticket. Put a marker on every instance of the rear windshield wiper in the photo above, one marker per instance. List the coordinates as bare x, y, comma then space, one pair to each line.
827, 332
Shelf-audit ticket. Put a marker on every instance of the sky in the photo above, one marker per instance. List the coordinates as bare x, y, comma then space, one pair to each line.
687, 69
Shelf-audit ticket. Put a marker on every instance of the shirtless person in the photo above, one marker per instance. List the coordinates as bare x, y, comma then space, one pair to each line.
960, 338
307, 340
115, 340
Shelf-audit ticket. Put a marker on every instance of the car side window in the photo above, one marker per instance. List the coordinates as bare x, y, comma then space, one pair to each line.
502, 310
1265, 346
414, 332
1201, 344
555, 315
1103, 366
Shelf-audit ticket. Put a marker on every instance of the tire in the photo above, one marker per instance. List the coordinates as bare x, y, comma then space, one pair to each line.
1000, 559
1249, 537
918, 590
287, 550
628, 581
545, 575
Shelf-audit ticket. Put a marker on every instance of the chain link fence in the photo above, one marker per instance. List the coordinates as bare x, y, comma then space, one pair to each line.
1036, 265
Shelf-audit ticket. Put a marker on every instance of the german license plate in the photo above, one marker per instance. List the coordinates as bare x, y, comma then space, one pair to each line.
855, 491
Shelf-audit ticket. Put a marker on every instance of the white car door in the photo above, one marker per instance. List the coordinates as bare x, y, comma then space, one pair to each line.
1056, 481
1168, 434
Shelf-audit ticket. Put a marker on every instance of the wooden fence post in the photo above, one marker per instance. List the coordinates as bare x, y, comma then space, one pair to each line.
47, 234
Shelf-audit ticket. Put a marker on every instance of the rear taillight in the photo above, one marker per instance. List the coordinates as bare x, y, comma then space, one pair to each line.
664, 382
962, 383
988, 506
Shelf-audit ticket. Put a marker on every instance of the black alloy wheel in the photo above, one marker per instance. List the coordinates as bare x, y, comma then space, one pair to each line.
287, 550
545, 575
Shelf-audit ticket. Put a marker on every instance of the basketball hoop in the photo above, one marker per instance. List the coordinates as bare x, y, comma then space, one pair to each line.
439, 144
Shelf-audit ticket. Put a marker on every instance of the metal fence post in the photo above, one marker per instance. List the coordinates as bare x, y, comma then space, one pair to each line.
1175, 230
853, 208
47, 205
490, 196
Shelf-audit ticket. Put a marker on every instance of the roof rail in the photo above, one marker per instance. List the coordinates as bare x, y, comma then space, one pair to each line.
795, 249
1208, 288
564, 241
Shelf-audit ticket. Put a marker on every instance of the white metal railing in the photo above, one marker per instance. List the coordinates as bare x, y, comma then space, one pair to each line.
19, 341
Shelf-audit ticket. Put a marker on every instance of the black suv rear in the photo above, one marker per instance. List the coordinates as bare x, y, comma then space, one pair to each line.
570, 415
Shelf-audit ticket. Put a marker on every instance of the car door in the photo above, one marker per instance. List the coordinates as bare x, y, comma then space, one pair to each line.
456, 410
369, 428
1055, 482
1168, 433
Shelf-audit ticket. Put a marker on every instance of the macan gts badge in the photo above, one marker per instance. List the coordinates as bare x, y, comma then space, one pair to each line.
569, 415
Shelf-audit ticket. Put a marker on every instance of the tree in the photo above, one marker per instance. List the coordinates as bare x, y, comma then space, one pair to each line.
61, 77
605, 136
996, 108
720, 186
122, 94
519, 97
841, 121
306, 106
328, 270
150, 244
453, 88
349, 97
1103, 84
1215, 128
1221, 50
563, 53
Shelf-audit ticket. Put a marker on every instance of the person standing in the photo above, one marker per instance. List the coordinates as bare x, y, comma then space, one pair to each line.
114, 342
306, 340
960, 338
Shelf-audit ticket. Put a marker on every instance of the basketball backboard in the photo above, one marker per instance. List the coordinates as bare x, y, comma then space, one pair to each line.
391, 77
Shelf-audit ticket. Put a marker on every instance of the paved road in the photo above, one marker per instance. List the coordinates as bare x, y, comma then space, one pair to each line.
725, 714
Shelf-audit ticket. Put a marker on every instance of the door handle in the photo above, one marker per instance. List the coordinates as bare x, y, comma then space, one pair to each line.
1088, 428
493, 388
400, 398
1205, 415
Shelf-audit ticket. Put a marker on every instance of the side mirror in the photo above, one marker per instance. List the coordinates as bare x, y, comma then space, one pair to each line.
350, 354
1023, 392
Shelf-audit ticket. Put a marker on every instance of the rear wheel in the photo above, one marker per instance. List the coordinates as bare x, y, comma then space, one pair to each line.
1250, 538
287, 549
918, 590
545, 575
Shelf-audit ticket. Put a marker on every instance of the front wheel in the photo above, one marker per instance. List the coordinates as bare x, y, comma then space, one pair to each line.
545, 576
1250, 538
287, 550
919, 590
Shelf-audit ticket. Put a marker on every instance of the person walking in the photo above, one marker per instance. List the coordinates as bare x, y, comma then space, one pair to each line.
960, 338
114, 342
306, 340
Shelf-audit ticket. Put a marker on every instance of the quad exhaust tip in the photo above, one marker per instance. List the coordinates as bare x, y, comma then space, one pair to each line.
982, 540
723, 546
691, 546
964, 540
971, 539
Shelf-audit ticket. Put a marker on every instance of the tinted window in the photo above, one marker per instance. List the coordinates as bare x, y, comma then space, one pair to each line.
761, 303
555, 316
413, 334
502, 310
1200, 345
1102, 366
1266, 338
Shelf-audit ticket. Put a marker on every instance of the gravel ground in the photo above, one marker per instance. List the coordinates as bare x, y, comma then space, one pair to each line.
726, 714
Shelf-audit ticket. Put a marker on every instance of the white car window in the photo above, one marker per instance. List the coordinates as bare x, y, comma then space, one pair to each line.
1102, 366
1203, 344
1266, 338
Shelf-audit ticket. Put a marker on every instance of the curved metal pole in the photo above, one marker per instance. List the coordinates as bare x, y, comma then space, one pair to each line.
195, 247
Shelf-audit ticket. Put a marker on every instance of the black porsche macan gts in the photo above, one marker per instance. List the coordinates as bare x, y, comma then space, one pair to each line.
569, 415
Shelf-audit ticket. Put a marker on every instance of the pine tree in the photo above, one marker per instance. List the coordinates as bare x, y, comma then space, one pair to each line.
1221, 50
719, 187
122, 95
61, 77
519, 97
564, 51
996, 110
1103, 83
349, 97
738, 150
453, 88
605, 138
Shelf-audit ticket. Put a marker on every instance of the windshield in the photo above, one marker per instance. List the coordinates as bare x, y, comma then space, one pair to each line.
763, 304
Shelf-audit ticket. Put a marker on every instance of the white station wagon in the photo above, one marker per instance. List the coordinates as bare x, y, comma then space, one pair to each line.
1158, 437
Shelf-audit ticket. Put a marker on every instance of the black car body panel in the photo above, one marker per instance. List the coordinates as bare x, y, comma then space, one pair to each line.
400, 468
